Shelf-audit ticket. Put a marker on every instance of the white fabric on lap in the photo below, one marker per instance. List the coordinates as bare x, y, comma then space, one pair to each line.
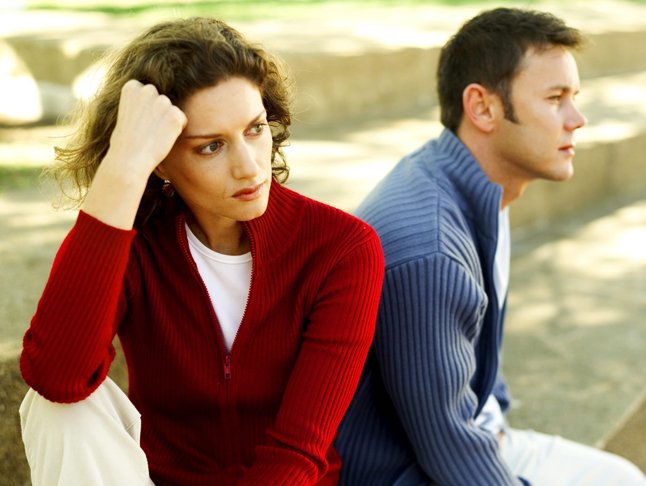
94, 441
546, 460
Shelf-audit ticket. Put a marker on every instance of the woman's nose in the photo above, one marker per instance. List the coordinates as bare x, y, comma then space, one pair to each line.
244, 163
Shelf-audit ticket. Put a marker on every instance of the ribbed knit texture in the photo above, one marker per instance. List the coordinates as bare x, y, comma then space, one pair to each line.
435, 358
267, 412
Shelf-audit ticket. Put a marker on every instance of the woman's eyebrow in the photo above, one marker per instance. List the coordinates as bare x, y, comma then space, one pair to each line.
262, 114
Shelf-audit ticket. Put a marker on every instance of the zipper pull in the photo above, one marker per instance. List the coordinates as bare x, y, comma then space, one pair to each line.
227, 367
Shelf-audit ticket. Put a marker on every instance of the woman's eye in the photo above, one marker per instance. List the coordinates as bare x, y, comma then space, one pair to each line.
210, 148
257, 129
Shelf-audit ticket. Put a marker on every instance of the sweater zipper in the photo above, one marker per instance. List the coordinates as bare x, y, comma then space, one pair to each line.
227, 366
183, 241
227, 355
187, 253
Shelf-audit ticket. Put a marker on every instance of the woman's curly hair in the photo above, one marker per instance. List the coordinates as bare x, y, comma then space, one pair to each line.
178, 57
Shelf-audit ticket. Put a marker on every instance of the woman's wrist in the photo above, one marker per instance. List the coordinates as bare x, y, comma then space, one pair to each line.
115, 194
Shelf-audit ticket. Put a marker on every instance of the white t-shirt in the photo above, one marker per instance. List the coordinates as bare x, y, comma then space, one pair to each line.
503, 255
227, 279
491, 417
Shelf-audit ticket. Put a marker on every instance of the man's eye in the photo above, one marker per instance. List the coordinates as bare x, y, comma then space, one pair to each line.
210, 148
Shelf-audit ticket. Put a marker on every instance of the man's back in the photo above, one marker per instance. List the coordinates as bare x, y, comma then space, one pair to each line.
436, 215
431, 401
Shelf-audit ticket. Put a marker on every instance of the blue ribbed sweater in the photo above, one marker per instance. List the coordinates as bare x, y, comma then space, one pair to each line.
435, 358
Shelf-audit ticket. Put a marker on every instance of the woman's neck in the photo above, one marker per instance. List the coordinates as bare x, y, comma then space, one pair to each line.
227, 237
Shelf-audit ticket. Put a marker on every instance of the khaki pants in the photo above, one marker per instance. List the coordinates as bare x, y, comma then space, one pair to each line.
94, 442
548, 460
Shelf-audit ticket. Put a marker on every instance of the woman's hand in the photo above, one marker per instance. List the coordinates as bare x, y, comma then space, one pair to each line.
147, 127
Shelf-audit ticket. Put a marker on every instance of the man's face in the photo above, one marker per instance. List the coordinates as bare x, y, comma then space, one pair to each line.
540, 143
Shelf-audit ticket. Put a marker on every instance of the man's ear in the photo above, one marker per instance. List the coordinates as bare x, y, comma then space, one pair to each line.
481, 107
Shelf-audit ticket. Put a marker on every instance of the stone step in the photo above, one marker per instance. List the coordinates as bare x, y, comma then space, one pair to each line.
574, 312
341, 163
342, 69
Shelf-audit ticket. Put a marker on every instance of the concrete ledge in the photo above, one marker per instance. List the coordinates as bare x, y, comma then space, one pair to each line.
51, 59
330, 86
27, 99
614, 52
627, 439
19, 96
604, 171
13, 465
337, 88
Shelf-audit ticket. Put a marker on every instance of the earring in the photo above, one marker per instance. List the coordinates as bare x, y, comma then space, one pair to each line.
167, 189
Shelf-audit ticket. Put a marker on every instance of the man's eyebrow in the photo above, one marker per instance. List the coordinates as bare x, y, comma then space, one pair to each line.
565, 88
260, 115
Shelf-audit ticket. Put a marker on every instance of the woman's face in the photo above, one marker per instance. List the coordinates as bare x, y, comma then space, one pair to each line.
221, 163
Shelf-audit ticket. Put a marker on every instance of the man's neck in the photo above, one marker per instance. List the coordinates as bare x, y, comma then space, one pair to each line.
483, 152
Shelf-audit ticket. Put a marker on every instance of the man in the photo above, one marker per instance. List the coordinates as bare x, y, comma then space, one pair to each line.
430, 404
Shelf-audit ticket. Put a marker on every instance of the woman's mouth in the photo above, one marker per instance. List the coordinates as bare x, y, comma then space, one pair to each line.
249, 193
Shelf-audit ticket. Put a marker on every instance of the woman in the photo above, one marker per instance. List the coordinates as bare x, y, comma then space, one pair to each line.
245, 311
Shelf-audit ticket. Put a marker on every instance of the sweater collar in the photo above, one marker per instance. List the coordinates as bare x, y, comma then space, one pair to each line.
480, 197
270, 232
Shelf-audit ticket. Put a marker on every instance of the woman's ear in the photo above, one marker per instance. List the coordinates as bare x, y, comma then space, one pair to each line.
160, 172
481, 107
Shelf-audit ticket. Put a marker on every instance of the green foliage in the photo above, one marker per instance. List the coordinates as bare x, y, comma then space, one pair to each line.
254, 9
21, 177
233, 9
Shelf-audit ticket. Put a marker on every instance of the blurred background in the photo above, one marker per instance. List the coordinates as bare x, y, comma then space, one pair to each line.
364, 74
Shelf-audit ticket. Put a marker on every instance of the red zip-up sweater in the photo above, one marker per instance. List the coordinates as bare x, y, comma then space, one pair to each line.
264, 413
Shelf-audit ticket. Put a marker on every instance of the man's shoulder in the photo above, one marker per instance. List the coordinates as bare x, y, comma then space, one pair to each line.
415, 216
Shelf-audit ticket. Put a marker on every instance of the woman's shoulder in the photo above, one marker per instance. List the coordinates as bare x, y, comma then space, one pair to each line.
327, 219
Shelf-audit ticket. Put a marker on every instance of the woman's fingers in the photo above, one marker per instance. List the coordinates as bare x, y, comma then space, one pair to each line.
147, 127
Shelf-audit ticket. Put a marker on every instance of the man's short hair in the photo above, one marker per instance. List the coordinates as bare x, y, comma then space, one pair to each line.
488, 50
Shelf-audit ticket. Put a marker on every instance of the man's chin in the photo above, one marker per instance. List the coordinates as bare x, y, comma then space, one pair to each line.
563, 174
